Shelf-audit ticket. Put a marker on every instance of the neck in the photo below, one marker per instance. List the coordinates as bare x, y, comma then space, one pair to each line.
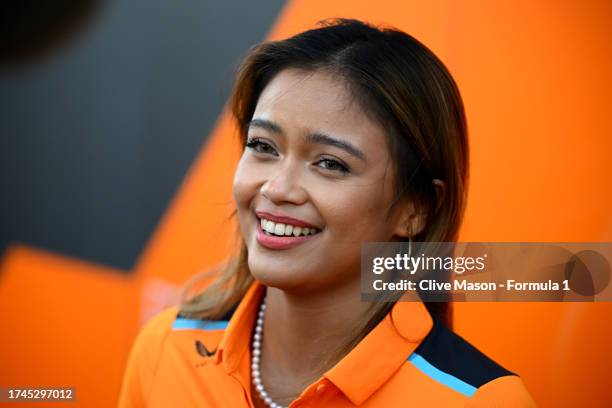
301, 331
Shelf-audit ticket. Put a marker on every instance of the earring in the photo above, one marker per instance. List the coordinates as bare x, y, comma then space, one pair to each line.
409, 233
409, 246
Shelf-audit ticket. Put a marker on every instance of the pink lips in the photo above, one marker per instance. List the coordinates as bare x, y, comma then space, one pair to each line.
274, 242
284, 219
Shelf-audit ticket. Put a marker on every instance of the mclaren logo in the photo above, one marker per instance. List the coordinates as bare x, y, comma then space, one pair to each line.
203, 351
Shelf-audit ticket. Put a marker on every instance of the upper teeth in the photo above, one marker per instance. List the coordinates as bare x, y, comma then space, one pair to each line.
278, 228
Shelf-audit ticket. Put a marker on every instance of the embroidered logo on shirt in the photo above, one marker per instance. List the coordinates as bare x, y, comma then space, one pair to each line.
203, 351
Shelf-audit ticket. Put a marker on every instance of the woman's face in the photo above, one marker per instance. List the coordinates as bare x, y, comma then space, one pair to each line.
313, 156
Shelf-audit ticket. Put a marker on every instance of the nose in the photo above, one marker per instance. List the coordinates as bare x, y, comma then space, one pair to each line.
284, 185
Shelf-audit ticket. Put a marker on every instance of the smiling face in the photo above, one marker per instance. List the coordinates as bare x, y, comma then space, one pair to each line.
313, 156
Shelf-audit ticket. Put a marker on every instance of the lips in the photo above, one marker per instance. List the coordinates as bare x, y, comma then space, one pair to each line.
280, 242
284, 219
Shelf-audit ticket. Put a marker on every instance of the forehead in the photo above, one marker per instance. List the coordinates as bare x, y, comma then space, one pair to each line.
318, 101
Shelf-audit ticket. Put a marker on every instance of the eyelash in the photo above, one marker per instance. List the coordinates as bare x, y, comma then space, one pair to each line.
255, 143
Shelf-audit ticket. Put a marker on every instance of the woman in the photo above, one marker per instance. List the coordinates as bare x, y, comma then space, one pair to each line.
351, 134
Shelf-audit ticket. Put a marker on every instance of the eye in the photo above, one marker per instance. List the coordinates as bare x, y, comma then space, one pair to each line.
260, 146
333, 165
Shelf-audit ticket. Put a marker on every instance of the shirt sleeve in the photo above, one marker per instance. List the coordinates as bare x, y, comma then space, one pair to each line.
144, 358
503, 392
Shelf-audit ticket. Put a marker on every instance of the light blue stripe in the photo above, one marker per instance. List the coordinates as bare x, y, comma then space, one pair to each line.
440, 376
198, 324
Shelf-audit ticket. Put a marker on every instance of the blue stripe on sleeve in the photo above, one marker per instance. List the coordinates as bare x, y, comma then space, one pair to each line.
198, 324
440, 376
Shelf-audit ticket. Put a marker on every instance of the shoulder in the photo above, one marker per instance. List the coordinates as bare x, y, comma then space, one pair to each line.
448, 352
150, 339
160, 324
454, 362
167, 335
503, 392
170, 328
144, 357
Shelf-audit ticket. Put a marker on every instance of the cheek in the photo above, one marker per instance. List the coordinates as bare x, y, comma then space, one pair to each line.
245, 185
355, 211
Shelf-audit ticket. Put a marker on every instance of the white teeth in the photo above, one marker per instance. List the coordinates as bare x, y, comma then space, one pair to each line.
279, 229
269, 227
285, 229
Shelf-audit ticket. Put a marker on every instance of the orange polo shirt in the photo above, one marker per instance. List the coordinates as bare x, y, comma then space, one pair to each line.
407, 360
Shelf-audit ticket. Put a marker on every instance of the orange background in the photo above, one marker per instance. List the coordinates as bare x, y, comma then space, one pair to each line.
536, 81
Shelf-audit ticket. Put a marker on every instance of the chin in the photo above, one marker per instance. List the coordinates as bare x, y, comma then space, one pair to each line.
283, 278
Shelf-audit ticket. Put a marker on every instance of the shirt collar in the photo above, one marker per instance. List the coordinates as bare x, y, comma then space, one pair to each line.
236, 339
382, 351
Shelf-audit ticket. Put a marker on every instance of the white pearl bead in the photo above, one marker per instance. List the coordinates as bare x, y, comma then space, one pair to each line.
256, 353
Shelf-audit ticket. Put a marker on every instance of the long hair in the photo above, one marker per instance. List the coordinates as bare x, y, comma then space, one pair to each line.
401, 84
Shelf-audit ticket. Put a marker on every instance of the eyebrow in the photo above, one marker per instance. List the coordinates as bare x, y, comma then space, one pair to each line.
317, 137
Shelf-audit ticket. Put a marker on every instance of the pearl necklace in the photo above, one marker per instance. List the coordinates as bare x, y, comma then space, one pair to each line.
255, 369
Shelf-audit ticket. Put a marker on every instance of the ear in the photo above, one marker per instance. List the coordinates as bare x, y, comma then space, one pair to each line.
412, 220
440, 187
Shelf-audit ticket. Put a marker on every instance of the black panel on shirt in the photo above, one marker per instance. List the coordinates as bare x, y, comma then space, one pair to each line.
449, 352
